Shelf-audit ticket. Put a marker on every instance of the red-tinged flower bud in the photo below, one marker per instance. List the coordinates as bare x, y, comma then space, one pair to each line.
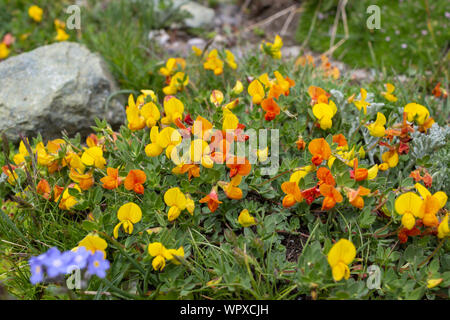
403, 148
317, 160
188, 120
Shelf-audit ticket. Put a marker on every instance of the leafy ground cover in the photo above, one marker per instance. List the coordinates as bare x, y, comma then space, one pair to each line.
413, 35
163, 209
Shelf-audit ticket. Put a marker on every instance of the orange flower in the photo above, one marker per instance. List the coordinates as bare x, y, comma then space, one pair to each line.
415, 175
271, 108
93, 141
43, 188
318, 95
320, 149
275, 91
84, 180
193, 170
340, 140
324, 175
293, 193
282, 86
438, 91
332, 196
301, 144
355, 196
112, 180
57, 190
134, 181
358, 174
231, 188
212, 199
238, 166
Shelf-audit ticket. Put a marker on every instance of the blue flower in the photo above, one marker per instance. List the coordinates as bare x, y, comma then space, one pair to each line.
79, 258
57, 263
97, 264
37, 269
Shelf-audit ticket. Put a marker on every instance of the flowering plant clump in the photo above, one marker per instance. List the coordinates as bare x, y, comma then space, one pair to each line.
238, 179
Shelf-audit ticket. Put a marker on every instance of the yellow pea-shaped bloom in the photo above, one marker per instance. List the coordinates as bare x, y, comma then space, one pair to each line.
340, 256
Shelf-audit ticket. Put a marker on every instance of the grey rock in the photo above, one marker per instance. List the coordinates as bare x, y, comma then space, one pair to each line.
62, 86
198, 42
201, 16
290, 51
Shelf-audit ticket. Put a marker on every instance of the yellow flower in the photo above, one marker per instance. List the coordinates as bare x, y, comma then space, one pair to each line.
59, 24
390, 158
74, 161
177, 202
93, 156
213, 62
177, 83
388, 94
362, 103
170, 68
136, 121
377, 128
431, 205
340, 256
170, 254
167, 139
431, 283
372, 172
128, 215
324, 112
93, 243
361, 152
408, 206
245, 219
35, 13
157, 250
190, 205
238, 88
273, 49
415, 111
301, 173
230, 60
23, 152
145, 94
383, 167
61, 35
173, 108
151, 114
12, 176
231, 105
265, 80
67, 201
216, 97
443, 228
230, 121
197, 51
199, 152
256, 91
4, 51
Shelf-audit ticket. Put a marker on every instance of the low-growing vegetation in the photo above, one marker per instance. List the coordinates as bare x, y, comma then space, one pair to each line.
252, 178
